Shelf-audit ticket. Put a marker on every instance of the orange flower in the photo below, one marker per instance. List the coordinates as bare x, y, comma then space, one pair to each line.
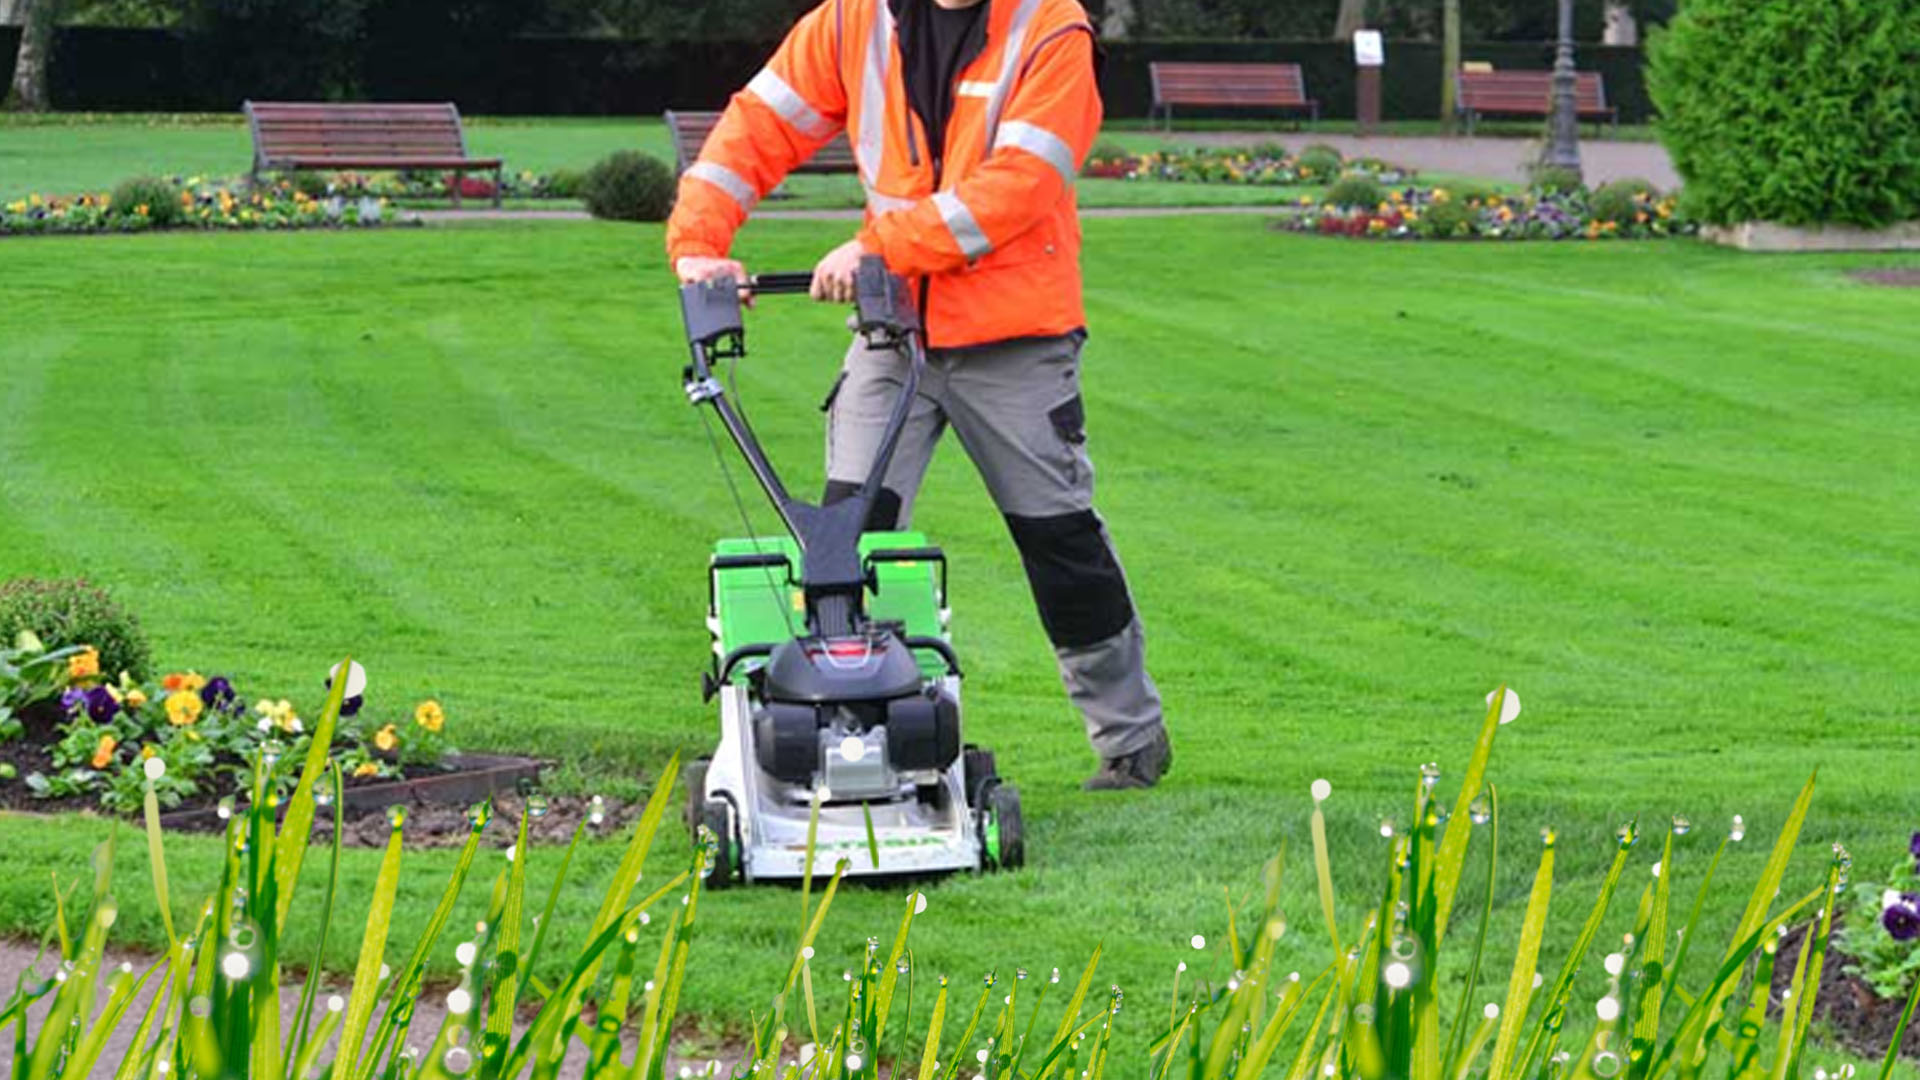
190, 681
386, 738
367, 768
103, 753
429, 715
84, 665
183, 708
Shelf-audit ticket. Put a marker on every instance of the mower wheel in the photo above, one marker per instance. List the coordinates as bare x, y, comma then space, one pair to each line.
715, 815
978, 768
1006, 836
696, 779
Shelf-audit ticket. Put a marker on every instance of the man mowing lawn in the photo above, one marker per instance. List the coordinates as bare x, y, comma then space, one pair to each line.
970, 119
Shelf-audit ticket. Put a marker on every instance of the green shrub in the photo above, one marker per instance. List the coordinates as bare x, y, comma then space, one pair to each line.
161, 199
66, 612
565, 183
1621, 200
1361, 191
309, 183
1446, 220
628, 185
1321, 160
1793, 111
1557, 180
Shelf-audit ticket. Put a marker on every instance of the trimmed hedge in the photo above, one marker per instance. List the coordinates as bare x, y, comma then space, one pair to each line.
1793, 111
110, 69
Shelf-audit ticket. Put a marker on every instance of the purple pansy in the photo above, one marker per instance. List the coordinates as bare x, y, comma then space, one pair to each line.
101, 704
217, 694
351, 706
73, 701
1902, 919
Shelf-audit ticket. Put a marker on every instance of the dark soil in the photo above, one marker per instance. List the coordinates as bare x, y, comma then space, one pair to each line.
440, 825
1858, 1020
1898, 277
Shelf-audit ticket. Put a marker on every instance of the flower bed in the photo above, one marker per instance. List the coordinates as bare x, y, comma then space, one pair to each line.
1267, 166
190, 204
1437, 214
84, 738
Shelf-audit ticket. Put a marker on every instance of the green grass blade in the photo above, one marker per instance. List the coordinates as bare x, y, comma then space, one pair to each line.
1555, 1012
1263, 1048
89, 1048
1452, 857
1900, 1033
1644, 1029
966, 1037
553, 900
930, 1054
1323, 869
1816, 966
883, 995
298, 824
311, 986
873, 844
399, 1015
1783, 1056
506, 960
157, 858
1703, 1015
1071, 1017
1769, 884
1520, 986
373, 947
1452, 1059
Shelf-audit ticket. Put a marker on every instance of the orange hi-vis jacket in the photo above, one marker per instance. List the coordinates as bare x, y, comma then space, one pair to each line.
987, 224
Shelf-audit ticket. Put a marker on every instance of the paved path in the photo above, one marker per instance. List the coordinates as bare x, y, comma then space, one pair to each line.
456, 217
428, 1014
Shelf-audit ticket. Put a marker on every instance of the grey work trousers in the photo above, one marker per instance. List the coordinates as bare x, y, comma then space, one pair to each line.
1016, 409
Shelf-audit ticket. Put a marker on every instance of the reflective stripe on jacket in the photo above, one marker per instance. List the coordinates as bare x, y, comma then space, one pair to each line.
989, 221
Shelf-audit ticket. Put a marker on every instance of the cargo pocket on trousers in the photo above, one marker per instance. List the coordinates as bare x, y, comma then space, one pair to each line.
1069, 420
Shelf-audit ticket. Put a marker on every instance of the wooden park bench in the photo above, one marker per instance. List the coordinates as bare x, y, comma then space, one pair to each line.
1263, 86
291, 136
690, 130
1528, 93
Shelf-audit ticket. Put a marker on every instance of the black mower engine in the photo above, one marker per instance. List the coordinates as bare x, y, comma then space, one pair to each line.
854, 714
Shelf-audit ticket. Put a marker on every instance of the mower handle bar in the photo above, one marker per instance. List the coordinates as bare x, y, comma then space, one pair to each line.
781, 284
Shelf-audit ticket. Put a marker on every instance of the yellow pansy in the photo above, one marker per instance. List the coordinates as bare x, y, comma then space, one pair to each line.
84, 665
183, 708
428, 715
386, 738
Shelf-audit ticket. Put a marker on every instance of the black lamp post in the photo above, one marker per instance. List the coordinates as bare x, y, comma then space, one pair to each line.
1563, 141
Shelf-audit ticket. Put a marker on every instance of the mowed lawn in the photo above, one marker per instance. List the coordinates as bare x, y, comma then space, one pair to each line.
1664, 490
70, 158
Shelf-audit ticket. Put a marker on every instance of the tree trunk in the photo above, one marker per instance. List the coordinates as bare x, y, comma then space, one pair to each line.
1353, 16
1449, 64
29, 92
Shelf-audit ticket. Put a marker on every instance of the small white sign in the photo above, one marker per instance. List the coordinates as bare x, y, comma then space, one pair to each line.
1369, 49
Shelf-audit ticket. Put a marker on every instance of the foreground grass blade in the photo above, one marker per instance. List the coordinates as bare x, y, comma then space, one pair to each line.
399, 1015
298, 824
1554, 1014
311, 987
1453, 1060
1805, 998
506, 960
1520, 986
373, 947
1452, 856
157, 859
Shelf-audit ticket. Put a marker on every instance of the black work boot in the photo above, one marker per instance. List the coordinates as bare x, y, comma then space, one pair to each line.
1141, 769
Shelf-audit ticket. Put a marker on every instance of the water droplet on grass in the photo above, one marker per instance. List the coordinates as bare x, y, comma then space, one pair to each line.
1199, 941
1480, 810
457, 1060
1322, 790
1738, 831
1606, 1064
396, 816
537, 805
597, 810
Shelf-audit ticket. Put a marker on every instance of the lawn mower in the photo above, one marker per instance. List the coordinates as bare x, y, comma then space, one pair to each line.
831, 659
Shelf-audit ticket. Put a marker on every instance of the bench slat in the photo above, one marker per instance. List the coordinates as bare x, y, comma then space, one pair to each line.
1281, 86
362, 135
690, 130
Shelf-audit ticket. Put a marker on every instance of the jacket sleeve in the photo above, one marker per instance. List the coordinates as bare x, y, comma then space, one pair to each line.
792, 108
1045, 134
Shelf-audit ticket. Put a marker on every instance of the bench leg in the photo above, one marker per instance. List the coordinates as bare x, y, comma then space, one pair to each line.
498, 183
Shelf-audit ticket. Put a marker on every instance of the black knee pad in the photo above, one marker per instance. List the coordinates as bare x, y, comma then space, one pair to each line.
1077, 583
882, 516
